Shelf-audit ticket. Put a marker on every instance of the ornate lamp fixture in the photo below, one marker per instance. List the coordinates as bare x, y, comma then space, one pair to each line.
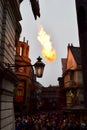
38, 67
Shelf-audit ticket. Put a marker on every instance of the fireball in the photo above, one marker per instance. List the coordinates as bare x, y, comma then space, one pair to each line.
48, 51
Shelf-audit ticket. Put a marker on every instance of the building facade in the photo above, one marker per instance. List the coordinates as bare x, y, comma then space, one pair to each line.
81, 10
10, 30
72, 84
50, 100
25, 74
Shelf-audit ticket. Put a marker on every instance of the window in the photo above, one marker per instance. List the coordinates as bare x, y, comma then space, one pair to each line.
21, 50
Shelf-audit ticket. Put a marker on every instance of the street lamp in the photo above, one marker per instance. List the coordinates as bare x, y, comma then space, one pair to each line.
38, 66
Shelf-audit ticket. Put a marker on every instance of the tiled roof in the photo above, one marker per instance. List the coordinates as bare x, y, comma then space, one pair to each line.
76, 53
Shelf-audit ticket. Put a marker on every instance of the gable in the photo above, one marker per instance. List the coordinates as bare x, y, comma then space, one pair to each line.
71, 63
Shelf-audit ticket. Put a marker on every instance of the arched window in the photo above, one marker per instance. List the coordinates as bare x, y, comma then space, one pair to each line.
21, 50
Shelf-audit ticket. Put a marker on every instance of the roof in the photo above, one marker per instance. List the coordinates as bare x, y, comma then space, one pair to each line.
76, 54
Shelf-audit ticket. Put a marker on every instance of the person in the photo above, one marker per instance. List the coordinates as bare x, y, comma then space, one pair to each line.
48, 125
83, 126
70, 125
23, 123
77, 125
17, 124
59, 125
64, 125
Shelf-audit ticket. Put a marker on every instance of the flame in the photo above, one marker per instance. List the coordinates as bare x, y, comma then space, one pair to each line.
48, 51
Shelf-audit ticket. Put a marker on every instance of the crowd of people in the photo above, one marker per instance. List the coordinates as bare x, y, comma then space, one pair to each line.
49, 121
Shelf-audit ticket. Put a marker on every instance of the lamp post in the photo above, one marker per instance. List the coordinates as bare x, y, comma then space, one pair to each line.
38, 67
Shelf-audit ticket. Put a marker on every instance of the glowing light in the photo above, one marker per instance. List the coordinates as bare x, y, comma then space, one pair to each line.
48, 51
